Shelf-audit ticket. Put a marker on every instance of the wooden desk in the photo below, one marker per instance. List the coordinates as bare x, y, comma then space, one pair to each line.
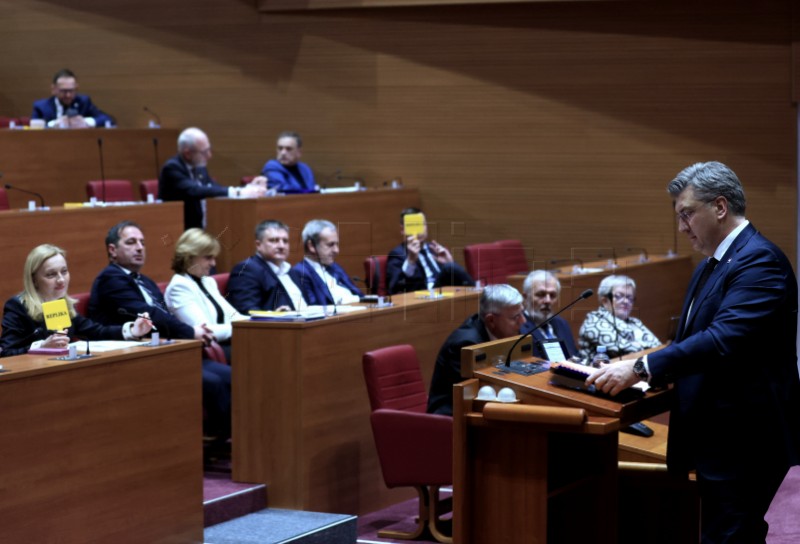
300, 405
82, 232
58, 163
106, 449
661, 284
368, 221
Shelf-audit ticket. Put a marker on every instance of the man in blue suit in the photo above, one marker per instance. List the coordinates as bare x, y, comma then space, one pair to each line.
285, 173
66, 108
322, 281
266, 281
541, 290
185, 177
736, 412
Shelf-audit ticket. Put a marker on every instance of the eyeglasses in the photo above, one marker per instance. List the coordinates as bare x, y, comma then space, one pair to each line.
686, 215
624, 296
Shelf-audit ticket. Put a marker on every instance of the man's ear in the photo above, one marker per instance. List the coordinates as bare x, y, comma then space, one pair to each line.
721, 207
489, 322
310, 247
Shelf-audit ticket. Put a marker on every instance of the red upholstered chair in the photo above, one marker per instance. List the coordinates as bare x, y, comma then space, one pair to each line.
83, 303
113, 190
414, 448
222, 282
148, 187
485, 262
375, 274
162, 286
4, 121
4, 200
514, 256
245, 180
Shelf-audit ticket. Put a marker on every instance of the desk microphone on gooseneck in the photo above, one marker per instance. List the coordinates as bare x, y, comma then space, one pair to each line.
13, 188
586, 294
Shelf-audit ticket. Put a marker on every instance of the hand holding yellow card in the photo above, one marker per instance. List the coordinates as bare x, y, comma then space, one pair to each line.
414, 224
56, 315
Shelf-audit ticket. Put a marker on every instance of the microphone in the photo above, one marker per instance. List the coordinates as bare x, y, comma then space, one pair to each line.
586, 294
613, 263
102, 167
336, 176
37, 195
155, 155
155, 116
643, 257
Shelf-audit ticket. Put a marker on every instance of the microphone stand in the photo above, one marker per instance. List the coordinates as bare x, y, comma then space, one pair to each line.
586, 294
37, 195
102, 167
559, 261
643, 258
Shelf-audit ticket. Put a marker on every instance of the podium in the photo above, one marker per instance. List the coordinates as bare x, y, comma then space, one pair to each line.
545, 469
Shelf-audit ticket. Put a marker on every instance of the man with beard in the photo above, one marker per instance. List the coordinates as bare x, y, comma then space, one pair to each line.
541, 289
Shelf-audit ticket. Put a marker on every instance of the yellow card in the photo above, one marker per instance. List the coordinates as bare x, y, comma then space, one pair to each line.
56, 315
414, 224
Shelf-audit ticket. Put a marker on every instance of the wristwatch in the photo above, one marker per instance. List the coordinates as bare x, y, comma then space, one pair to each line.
640, 370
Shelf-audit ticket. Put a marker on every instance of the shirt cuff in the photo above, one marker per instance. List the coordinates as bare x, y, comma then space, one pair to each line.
127, 332
234, 192
90, 122
647, 369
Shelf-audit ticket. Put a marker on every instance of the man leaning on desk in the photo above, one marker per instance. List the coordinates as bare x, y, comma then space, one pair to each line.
185, 177
285, 173
735, 418
67, 109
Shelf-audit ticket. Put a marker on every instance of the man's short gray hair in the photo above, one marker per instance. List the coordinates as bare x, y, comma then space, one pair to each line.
710, 180
542, 276
496, 298
188, 138
313, 230
610, 282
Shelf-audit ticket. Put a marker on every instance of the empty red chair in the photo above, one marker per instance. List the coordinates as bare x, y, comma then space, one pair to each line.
485, 262
4, 200
82, 303
148, 187
513, 255
222, 282
113, 190
414, 448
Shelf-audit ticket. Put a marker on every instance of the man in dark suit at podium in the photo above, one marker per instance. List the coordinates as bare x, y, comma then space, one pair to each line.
185, 177
736, 415
322, 281
265, 281
499, 316
285, 173
418, 264
542, 289
66, 108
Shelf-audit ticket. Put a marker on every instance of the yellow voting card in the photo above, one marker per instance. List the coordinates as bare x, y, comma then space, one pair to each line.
56, 315
414, 224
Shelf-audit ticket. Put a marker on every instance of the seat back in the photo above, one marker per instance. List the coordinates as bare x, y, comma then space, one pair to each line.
222, 282
394, 379
375, 274
246, 180
82, 304
514, 256
113, 190
4, 200
148, 187
485, 262
214, 352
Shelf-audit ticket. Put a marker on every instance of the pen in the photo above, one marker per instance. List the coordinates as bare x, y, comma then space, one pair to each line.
148, 319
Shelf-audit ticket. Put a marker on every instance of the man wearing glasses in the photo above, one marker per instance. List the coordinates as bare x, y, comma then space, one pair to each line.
735, 418
185, 177
68, 109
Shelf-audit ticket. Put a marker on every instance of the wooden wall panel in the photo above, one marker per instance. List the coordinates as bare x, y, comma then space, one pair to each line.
556, 123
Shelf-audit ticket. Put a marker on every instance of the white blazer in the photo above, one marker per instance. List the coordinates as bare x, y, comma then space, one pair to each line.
189, 304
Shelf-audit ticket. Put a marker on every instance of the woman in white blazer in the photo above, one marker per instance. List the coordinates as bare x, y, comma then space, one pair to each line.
192, 295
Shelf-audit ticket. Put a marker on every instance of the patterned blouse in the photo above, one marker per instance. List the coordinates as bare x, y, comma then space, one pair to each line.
629, 336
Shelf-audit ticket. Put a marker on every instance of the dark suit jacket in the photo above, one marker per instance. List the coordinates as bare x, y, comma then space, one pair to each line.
46, 109
447, 371
20, 330
114, 289
734, 365
398, 282
314, 290
284, 181
254, 286
176, 183
561, 330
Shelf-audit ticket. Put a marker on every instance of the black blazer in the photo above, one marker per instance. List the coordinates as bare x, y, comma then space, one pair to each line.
176, 183
561, 330
253, 285
114, 289
46, 109
20, 330
447, 371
